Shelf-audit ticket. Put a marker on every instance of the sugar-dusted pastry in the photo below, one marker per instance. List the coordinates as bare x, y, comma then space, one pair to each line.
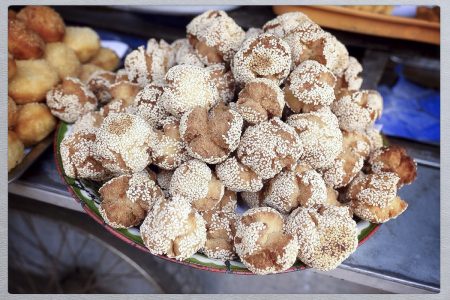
238, 177
211, 137
147, 104
349, 79
214, 36
223, 79
173, 228
100, 83
261, 242
90, 120
70, 100
185, 54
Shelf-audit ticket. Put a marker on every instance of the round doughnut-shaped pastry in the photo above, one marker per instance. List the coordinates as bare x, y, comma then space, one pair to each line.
106, 59
260, 100
309, 87
269, 147
286, 23
13, 112
163, 179
357, 110
252, 199
87, 70
375, 138
123, 143
264, 56
90, 120
127, 199
78, 157
349, 79
252, 32
320, 136
147, 105
223, 80
261, 242
214, 36
220, 228
24, 43
15, 150
12, 67
327, 235
45, 21
185, 53
70, 100
173, 228
34, 78
194, 181
83, 40
290, 189
187, 87
168, 149
394, 159
34, 123
63, 59
211, 137
100, 83
355, 148
238, 177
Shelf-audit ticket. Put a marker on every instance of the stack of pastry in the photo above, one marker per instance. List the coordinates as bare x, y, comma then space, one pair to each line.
42, 51
273, 118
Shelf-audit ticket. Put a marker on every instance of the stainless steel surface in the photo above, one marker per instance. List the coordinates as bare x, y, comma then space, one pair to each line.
29, 158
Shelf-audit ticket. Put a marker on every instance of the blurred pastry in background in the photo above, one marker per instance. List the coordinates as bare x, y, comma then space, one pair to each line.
23, 42
12, 68
87, 70
44, 21
106, 59
15, 150
12, 112
63, 59
83, 40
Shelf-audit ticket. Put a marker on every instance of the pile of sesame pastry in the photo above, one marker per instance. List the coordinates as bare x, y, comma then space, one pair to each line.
272, 120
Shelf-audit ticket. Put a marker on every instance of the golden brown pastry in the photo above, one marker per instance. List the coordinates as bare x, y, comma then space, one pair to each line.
106, 59
262, 243
15, 150
83, 40
34, 78
99, 83
34, 123
43, 20
63, 59
12, 68
87, 70
12, 113
24, 43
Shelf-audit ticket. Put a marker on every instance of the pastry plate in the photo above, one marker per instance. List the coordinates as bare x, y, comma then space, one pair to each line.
86, 193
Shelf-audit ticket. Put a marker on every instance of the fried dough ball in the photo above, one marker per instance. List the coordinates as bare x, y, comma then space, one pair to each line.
147, 105
185, 53
174, 228
34, 123
357, 110
123, 94
100, 83
252, 32
123, 143
83, 40
34, 78
220, 228
211, 137
13, 113
15, 150
12, 68
78, 157
309, 87
214, 36
320, 136
355, 148
90, 120
286, 23
195, 182
106, 59
127, 199
394, 159
260, 100
261, 242
43, 20
223, 80
373, 197
24, 43
168, 149
63, 59
238, 177
269, 147
163, 179
87, 70
327, 235
349, 79
187, 87
70, 100
290, 189
265, 56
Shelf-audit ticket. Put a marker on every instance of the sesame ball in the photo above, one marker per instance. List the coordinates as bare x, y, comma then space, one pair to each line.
223, 79
286, 23
99, 83
238, 177
185, 53
349, 78
148, 106
90, 120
